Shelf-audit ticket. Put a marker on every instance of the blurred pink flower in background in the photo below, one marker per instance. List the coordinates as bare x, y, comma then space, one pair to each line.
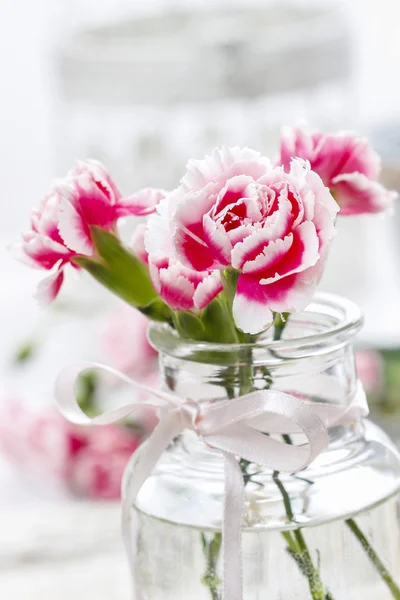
89, 462
369, 364
346, 163
96, 470
124, 342
125, 347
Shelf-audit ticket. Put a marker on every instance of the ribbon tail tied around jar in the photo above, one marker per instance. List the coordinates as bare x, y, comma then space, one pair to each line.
231, 427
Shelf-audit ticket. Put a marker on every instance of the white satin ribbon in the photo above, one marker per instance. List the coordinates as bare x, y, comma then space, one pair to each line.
235, 427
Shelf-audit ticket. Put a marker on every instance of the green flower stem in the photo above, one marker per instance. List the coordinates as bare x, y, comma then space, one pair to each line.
374, 558
298, 548
212, 551
280, 321
280, 324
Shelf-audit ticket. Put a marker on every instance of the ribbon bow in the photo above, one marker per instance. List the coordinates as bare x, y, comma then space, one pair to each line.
236, 428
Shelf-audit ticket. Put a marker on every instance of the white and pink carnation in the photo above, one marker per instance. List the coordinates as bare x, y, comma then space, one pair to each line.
97, 469
88, 462
60, 226
346, 163
233, 209
137, 243
183, 288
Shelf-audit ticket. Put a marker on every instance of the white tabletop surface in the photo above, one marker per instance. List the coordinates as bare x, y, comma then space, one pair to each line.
55, 548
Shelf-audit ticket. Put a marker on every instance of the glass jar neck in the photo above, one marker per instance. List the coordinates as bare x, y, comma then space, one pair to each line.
314, 361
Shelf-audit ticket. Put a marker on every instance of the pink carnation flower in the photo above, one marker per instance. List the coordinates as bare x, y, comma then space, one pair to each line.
88, 461
60, 226
96, 471
183, 288
137, 243
124, 342
370, 370
234, 209
180, 287
347, 164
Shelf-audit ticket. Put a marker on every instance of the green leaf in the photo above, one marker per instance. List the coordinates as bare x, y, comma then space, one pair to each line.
25, 353
125, 289
121, 271
157, 310
280, 322
229, 279
189, 325
218, 322
87, 388
215, 546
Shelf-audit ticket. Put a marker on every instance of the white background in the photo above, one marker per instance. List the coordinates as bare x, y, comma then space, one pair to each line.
29, 33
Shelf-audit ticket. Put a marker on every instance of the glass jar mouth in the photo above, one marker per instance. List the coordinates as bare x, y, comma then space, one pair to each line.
327, 324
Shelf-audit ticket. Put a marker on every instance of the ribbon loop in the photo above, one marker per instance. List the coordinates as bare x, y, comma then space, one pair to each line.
189, 413
236, 428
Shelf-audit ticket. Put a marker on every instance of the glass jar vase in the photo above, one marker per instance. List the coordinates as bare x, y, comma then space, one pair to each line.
330, 532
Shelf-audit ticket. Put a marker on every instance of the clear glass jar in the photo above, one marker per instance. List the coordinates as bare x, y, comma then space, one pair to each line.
322, 534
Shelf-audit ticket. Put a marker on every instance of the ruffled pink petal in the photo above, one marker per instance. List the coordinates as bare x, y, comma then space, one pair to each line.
295, 292
74, 230
240, 233
217, 241
49, 287
94, 202
295, 142
325, 211
156, 263
322, 197
279, 223
176, 289
188, 235
271, 255
44, 219
44, 251
170, 281
232, 192
17, 251
207, 290
302, 254
330, 155
344, 152
357, 195
140, 204
99, 175
223, 164
253, 245
254, 302
137, 242
251, 311
362, 159
158, 238
191, 248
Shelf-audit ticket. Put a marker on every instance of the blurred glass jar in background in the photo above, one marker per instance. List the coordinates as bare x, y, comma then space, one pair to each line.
145, 93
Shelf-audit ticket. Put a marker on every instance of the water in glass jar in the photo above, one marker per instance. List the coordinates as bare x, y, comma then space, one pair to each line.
172, 564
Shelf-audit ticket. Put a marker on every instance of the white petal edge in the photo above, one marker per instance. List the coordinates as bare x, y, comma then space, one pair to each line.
251, 316
48, 288
70, 226
207, 289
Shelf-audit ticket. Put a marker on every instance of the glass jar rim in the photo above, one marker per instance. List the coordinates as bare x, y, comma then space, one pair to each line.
346, 320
